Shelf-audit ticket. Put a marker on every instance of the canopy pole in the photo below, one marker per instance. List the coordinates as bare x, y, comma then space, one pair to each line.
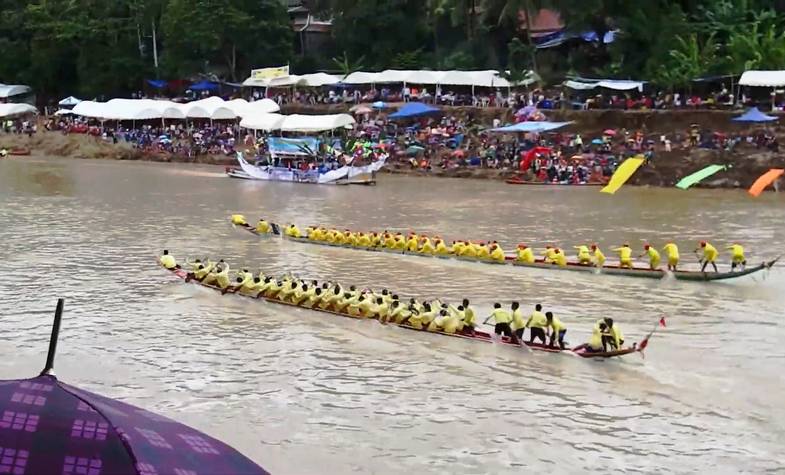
50, 357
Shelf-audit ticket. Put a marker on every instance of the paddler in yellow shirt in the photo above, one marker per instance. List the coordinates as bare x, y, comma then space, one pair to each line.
709, 255
426, 246
222, 278
584, 256
389, 241
672, 253
599, 257
550, 255
625, 255
654, 256
440, 249
293, 231
400, 242
524, 254
497, 254
537, 323
168, 261
737, 256
612, 335
468, 250
263, 227
559, 258
518, 323
364, 240
376, 239
482, 250
412, 243
239, 220
502, 320
457, 248
469, 317
558, 330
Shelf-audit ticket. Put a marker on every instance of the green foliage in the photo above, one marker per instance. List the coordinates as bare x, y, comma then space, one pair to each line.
100, 47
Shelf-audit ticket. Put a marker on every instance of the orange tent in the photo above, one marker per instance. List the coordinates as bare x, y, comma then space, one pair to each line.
765, 180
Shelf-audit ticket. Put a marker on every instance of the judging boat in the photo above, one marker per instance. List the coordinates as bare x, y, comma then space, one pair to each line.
477, 335
608, 269
298, 161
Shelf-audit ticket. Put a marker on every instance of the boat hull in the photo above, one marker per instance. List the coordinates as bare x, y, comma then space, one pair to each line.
479, 336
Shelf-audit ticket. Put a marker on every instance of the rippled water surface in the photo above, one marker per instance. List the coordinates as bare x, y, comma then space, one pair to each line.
301, 392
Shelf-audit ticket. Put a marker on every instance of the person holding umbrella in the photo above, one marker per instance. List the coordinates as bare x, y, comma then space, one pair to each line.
52, 427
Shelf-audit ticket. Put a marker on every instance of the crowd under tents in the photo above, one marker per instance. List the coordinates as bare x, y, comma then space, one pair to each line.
16, 110
212, 108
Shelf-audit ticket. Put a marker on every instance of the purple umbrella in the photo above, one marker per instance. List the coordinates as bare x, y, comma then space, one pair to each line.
47, 426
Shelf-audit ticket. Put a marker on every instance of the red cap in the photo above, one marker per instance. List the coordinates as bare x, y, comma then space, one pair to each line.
703, 243
522, 245
593, 247
646, 247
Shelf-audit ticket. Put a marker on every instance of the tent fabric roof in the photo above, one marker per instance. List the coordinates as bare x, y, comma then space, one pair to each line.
145, 109
307, 80
486, 78
763, 78
203, 86
615, 84
535, 127
69, 101
754, 115
11, 110
297, 122
13, 90
262, 121
316, 123
414, 109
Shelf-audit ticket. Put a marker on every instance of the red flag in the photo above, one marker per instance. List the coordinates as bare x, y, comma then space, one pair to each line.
662, 322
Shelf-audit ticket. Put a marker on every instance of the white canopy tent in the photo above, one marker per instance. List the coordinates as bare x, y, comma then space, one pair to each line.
316, 123
69, 101
615, 84
297, 122
763, 78
213, 108
771, 79
263, 121
15, 110
486, 78
262, 106
7, 91
306, 80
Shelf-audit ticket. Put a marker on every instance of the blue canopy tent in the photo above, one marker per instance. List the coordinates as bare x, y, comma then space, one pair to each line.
379, 105
414, 109
754, 115
203, 86
533, 126
157, 83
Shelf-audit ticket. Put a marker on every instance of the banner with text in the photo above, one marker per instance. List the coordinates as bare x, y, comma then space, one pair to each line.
265, 74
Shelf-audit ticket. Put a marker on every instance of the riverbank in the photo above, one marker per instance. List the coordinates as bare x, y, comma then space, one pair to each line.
746, 163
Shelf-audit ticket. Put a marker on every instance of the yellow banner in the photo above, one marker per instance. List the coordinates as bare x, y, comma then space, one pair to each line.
270, 73
623, 173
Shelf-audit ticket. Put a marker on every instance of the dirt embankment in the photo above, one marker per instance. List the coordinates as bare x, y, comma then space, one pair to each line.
747, 162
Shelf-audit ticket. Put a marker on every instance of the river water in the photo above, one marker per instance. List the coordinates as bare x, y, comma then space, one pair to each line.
301, 392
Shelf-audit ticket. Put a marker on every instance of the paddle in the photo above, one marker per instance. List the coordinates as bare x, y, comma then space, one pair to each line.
645, 342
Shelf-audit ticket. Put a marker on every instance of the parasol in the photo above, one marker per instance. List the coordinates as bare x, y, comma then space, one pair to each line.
48, 426
609, 132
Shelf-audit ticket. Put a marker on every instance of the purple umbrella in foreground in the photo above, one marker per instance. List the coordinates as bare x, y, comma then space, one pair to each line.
48, 427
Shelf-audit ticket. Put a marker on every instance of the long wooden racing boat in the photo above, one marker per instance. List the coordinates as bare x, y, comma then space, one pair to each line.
478, 335
688, 275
